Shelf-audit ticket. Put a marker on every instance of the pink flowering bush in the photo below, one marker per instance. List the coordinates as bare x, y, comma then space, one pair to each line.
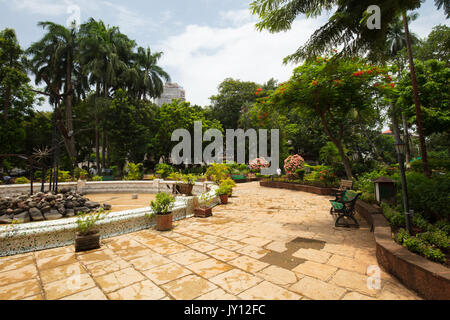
293, 163
258, 164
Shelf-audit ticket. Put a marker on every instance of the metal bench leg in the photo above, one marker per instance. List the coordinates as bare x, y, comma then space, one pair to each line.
347, 225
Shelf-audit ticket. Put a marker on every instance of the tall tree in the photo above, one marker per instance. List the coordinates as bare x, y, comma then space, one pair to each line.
346, 27
12, 72
53, 60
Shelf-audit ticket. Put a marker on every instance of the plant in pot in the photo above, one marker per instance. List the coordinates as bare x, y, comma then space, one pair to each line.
188, 184
87, 237
205, 206
222, 192
162, 207
228, 183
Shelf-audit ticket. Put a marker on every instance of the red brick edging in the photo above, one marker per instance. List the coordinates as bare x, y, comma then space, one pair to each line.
429, 279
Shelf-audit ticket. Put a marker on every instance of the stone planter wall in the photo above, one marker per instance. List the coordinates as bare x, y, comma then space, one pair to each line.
22, 238
298, 187
429, 279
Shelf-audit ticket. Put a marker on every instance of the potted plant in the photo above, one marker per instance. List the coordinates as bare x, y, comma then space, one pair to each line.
188, 184
230, 184
162, 207
87, 237
205, 206
222, 192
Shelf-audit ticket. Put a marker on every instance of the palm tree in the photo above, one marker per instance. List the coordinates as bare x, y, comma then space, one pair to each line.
53, 61
150, 74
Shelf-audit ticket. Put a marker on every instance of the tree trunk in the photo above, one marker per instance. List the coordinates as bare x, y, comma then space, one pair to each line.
423, 147
69, 114
7, 103
97, 146
406, 138
338, 143
103, 148
345, 162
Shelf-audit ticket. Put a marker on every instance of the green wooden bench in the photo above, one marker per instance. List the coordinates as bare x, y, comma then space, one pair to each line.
343, 207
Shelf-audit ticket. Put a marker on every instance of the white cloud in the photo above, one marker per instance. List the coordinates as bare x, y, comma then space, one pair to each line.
44, 7
201, 57
237, 17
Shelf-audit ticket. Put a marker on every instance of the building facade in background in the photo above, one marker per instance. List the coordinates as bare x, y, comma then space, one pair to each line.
171, 91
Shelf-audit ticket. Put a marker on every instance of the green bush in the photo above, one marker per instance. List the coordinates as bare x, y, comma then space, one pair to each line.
300, 173
163, 204
438, 164
395, 218
401, 236
437, 238
218, 172
80, 173
164, 170
134, 171
365, 182
86, 222
97, 178
444, 226
22, 180
429, 196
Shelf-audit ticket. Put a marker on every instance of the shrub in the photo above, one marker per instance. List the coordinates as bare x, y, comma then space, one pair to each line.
437, 238
218, 172
300, 173
80, 173
444, 226
97, 178
189, 179
438, 164
134, 171
401, 236
86, 222
174, 176
395, 218
223, 190
293, 163
258, 164
164, 170
428, 196
163, 204
22, 180
365, 182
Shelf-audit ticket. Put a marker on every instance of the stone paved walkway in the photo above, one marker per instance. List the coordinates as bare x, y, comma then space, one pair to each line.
266, 244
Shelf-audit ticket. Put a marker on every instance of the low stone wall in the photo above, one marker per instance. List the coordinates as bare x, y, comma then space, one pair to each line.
93, 187
429, 279
22, 238
17, 189
298, 187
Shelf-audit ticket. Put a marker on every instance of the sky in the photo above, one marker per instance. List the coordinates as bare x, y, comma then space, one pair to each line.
204, 41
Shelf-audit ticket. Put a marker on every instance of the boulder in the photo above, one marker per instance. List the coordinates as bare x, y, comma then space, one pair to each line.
107, 206
70, 213
36, 214
62, 210
65, 190
69, 205
24, 217
92, 205
81, 209
5, 220
53, 215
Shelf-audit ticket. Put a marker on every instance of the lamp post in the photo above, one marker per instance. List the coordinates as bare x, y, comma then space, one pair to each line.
400, 148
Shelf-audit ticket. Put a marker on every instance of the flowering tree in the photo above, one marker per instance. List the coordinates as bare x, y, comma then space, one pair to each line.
258, 164
341, 93
293, 163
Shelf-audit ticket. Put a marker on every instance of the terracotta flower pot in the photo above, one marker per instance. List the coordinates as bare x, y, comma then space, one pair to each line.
224, 198
203, 212
87, 242
164, 222
186, 188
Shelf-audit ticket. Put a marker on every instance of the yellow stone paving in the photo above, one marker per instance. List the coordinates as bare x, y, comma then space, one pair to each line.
268, 244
